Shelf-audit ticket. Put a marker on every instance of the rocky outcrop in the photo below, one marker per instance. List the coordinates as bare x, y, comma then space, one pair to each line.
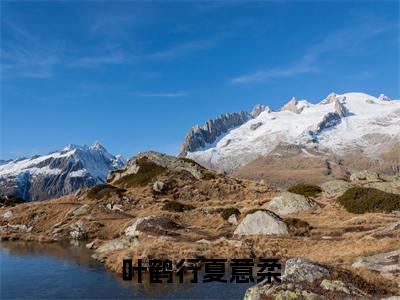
199, 137
365, 176
261, 222
58, 173
387, 263
335, 188
306, 279
288, 203
154, 225
258, 109
167, 162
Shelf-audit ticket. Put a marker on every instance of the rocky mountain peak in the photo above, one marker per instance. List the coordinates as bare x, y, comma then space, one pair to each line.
383, 97
57, 173
258, 109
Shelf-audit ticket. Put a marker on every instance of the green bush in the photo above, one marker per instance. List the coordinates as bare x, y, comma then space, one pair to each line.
298, 227
307, 190
11, 200
104, 190
361, 200
147, 172
227, 212
176, 206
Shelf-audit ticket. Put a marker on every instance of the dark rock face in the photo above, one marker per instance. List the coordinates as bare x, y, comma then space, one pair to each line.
198, 137
58, 173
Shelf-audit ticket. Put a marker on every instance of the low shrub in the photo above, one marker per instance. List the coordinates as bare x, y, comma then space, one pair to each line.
208, 175
104, 190
308, 190
298, 227
361, 200
176, 206
148, 172
227, 212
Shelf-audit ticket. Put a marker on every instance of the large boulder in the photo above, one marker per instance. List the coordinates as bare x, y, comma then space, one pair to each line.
288, 203
300, 269
261, 222
78, 231
387, 263
335, 188
365, 176
155, 225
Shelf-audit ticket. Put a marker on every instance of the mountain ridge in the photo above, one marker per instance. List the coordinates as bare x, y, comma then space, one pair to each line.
58, 172
336, 125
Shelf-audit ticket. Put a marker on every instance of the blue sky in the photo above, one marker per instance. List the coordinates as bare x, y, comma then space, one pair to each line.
138, 75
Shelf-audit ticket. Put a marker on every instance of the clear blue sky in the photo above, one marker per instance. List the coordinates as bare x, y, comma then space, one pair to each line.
138, 75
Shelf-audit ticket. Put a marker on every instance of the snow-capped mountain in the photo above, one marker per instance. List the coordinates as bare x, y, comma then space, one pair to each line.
337, 125
57, 173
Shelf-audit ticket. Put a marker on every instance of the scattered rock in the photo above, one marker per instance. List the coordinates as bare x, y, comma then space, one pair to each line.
15, 228
90, 245
114, 207
233, 219
7, 214
300, 269
340, 286
80, 211
365, 176
78, 231
158, 225
261, 222
158, 186
117, 244
203, 241
287, 203
335, 188
387, 263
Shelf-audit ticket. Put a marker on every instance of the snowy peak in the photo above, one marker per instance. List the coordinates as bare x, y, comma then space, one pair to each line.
59, 172
295, 106
336, 124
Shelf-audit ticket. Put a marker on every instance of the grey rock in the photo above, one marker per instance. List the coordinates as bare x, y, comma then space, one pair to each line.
300, 270
155, 225
117, 244
158, 186
233, 219
288, 203
78, 231
81, 210
15, 228
335, 188
388, 187
261, 223
291, 106
7, 214
387, 263
255, 125
340, 286
365, 175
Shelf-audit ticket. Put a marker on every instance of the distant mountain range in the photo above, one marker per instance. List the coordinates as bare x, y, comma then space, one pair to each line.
57, 173
302, 141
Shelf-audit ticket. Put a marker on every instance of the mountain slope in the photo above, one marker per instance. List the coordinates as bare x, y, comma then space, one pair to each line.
57, 173
355, 123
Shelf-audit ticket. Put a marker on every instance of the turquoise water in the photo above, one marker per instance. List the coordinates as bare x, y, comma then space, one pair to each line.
32, 270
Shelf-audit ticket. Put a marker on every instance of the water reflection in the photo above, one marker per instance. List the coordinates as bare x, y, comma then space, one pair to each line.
54, 270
